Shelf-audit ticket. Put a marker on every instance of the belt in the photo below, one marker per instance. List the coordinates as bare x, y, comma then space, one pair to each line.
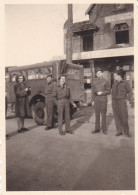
60, 99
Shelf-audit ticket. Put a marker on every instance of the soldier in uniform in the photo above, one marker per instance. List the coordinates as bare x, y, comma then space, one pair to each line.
62, 94
49, 101
121, 91
101, 89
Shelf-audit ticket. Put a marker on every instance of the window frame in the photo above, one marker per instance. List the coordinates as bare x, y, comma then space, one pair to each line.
121, 30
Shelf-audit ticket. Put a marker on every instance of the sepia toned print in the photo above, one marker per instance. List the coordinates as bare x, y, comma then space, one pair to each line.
79, 134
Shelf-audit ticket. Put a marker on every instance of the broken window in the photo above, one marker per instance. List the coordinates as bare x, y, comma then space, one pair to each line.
87, 42
121, 33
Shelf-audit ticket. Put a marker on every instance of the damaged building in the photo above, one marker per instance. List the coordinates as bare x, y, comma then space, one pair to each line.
105, 40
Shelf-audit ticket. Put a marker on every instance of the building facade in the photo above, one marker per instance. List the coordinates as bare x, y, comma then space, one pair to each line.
105, 40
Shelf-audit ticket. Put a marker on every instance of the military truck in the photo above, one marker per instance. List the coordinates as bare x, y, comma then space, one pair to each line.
35, 76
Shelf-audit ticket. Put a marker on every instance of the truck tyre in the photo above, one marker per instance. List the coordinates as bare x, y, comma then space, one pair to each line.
39, 113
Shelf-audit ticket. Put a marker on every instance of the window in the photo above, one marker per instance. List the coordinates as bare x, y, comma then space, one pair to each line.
87, 42
39, 73
119, 6
7, 77
87, 78
31, 74
87, 83
121, 33
14, 75
46, 71
23, 72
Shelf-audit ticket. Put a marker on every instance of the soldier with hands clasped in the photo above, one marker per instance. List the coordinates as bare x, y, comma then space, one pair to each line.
100, 90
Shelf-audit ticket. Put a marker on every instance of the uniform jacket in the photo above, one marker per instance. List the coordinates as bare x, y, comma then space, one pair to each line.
122, 90
60, 92
100, 84
22, 108
49, 87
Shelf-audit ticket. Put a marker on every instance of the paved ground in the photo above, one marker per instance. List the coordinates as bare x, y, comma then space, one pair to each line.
44, 160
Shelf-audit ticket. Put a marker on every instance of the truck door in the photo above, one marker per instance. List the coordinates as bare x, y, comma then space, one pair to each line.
75, 81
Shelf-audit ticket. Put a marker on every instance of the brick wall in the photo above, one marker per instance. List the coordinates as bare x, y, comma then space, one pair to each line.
105, 37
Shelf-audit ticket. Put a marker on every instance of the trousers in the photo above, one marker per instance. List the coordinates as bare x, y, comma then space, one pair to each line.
100, 108
50, 113
120, 114
63, 110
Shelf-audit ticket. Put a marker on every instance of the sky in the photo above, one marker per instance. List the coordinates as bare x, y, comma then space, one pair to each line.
34, 32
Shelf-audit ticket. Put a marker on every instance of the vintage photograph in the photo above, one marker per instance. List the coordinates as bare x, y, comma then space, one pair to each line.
69, 97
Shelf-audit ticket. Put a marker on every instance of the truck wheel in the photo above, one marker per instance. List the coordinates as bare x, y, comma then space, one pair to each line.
38, 113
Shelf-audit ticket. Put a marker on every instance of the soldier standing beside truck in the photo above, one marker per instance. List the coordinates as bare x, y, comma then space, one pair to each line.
49, 102
62, 94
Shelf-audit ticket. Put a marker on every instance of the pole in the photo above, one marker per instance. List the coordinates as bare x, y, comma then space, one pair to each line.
69, 35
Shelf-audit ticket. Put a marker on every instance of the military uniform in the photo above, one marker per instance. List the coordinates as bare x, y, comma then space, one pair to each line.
120, 92
49, 103
62, 94
100, 102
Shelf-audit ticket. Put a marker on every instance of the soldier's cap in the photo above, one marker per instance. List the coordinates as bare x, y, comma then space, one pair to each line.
49, 75
99, 69
62, 75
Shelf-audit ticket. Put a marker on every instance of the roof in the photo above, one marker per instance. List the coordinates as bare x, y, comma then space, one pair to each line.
81, 26
31, 66
89, 9
43, 64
